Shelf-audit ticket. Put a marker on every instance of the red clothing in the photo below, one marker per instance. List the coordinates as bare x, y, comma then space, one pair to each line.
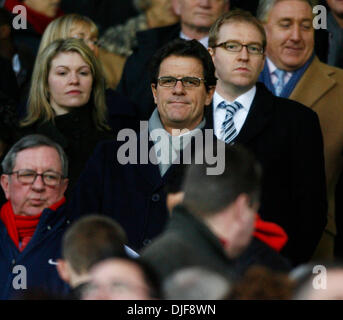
270, 233
21, 228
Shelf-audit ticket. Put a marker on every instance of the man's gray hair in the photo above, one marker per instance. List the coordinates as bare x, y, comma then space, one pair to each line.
265, 6
196, 283
33, 141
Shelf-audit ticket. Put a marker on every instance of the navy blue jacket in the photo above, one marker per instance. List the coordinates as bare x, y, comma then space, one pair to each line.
44, 246
131, 194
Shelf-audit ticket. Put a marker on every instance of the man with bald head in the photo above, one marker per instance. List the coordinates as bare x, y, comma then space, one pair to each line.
292, 70
196, 18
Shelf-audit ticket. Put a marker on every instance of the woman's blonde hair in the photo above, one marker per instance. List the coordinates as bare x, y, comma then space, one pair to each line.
39, 108
61, 28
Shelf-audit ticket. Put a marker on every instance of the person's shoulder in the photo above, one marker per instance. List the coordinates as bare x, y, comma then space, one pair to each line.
285, 105
332, 72
260, 253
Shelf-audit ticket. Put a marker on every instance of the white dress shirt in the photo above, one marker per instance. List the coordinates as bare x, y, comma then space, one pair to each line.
240, 116
272, 67
203, 41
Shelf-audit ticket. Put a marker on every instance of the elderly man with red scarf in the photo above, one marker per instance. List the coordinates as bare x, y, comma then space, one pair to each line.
31, 221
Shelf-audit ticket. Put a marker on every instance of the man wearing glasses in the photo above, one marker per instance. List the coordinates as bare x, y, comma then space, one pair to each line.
284, 135
183, 82
34, 180
196, 18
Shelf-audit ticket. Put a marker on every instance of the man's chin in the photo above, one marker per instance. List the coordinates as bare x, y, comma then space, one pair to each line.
200, 27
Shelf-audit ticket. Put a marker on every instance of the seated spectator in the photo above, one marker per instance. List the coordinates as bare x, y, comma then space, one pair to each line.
122, 279
71, 26
121, 112
20, 57
67, 101
34, 180
89, 240
196, 283
78, 26
213, 227
134, 82
292, 70
121, 39
39, 15
130, 189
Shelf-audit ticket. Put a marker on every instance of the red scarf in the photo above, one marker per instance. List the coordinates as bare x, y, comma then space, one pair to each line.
38, 20
21, 228
270, 233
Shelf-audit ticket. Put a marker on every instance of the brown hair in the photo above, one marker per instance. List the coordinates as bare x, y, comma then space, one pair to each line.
92, 239
235, 16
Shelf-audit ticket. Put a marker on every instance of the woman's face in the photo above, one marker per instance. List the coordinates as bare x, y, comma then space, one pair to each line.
83, 32
70, 82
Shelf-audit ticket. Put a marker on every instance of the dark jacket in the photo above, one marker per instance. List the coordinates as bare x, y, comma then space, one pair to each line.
8, 81
77, 135
132, 194
286, 138
135, 80
42, 250
188, 242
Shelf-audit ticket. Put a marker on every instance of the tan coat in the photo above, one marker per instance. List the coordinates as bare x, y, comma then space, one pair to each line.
321, 89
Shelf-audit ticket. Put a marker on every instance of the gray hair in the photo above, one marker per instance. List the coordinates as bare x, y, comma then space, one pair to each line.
33, 141
265, 6
196, 283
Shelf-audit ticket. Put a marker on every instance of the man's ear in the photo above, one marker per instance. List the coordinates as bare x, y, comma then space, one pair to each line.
176, 6
5, 185
64, 185
240, 206
63, 270
209, 95
154, 93
211, 51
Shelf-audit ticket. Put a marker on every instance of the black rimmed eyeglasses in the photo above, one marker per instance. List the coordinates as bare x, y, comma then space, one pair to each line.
50, 178
187, 82
234, 46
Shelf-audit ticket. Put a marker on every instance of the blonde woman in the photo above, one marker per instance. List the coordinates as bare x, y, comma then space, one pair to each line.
67, 101
82, 27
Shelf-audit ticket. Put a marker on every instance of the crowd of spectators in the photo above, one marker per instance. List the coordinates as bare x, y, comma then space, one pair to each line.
171, 149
